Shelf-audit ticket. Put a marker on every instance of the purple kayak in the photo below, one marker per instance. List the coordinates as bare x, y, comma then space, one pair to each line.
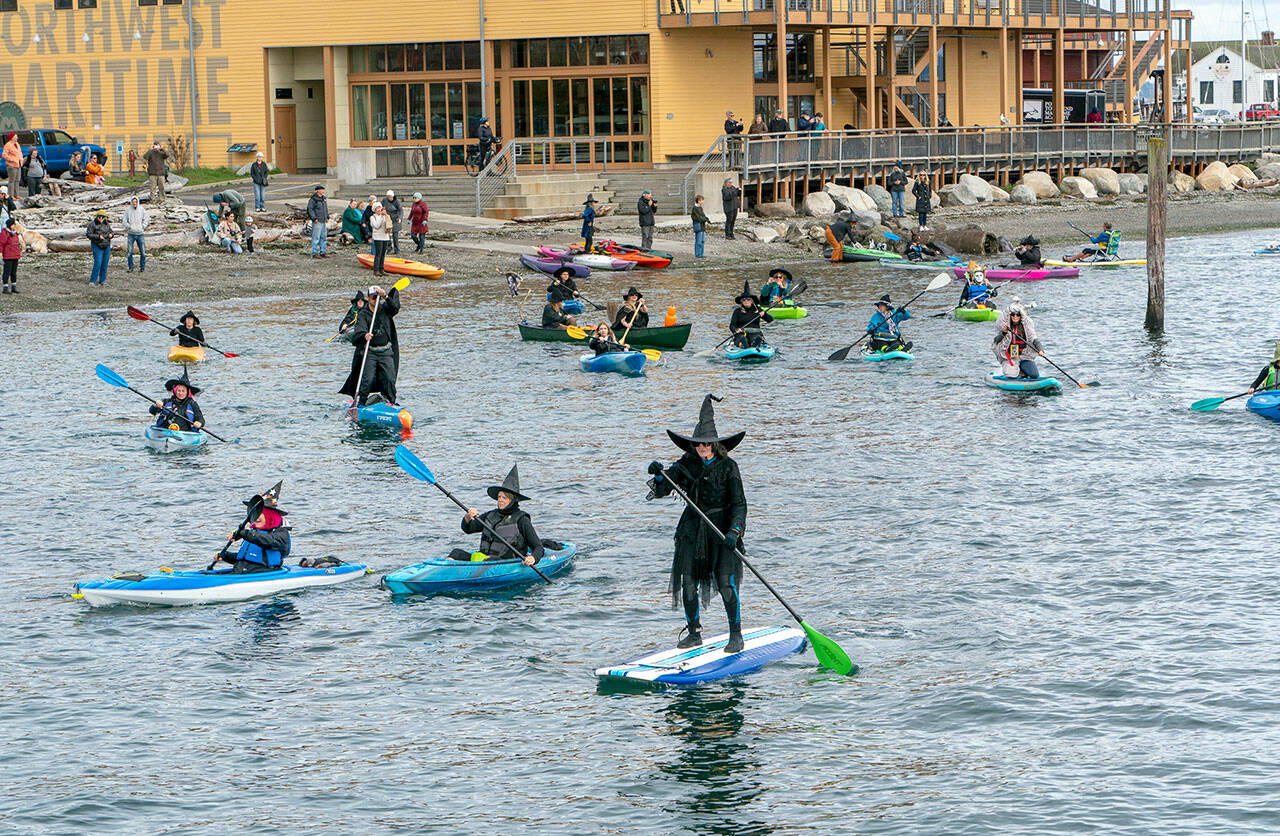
1015, 274
550, 265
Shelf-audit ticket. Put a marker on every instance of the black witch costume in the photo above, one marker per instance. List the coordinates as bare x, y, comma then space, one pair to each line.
383, 365
188, 337
511, 523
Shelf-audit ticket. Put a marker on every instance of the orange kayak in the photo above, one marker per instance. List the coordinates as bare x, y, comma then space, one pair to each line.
402, 266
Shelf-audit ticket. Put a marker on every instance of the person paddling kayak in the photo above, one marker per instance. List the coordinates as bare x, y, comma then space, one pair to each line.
921, 250
383, 364
179, 411
632, 303
711, 479
562, 284
603, 341
976, 292
511, 522
1015, 338
1266, 378
188, 331
744, 322
1028, 253
265, 541
1102, 239
884, 327
778, 287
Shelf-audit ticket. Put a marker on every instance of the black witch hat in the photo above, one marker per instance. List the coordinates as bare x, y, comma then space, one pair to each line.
270, 498
192, 314
192, 389
591, 198
1030, 241
784, 271
746, 294
511, 485
359, 297
631, 291
705, 430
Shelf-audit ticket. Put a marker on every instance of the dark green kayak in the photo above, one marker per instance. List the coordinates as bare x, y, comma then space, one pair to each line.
671, 337
862, 254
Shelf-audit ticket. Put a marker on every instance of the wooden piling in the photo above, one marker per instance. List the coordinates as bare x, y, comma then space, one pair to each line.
1157, 177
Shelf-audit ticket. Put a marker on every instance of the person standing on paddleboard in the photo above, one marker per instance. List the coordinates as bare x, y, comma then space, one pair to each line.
883, 327
744, 322
379, 336
1266, 378
510, 523
711, 479
179, 411
265, 539
1015, 337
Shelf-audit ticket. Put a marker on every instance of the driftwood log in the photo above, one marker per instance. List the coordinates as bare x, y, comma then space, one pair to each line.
970, 239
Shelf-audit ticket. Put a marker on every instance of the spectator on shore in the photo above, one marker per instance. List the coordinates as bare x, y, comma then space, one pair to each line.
232, 200
395, 214
924, 198
258, 174
588, 223
730, 197
229, 234
699, 218
898, 190
94, 172
75, 167
10, 251
353, 221
99, 233
418, 221
646, 208
366, 216
779, 124
7, 206
13, 161
318, 214
758, 125
732, 124
380, 227
135, 231
157, 170
35, 173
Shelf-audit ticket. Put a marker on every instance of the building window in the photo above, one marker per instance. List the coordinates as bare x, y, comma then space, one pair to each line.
88, 4
799, 57
1236, 96
609, 50
1206, 92
413, 58
1269, 91
62, 4
8, 5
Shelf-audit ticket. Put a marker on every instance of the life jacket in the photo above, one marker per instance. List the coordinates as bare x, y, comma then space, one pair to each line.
1270, 382
164, 419
978, 294
256, 554
1017, 343
508, 526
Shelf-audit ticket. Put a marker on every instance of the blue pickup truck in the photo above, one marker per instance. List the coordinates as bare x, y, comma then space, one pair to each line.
55, 147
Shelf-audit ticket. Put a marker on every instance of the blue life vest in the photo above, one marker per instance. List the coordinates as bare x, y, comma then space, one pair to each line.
256, 554
166, 418
978, 294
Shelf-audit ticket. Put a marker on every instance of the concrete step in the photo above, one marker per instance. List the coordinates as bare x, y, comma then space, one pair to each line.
665, 185
507, 213
581, 187
539, 204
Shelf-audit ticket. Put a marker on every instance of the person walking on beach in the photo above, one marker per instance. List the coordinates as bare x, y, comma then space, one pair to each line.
135, 231
157, 169
418, 215
898, 190
589, 223
13, 161
10, 251
99, 233
258, 174
924, 198
646, 208
395, 214
730, 197
699, 218
318, 213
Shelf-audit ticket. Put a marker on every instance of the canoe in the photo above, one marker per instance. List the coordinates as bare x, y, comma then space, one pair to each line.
1266, 404
164, 440
903, 264
977, 314
1032, 274
183, 354
1101, 262
791, 311
1024, 384
708, 662
171, 588
550, 265
669, 337
863, 254
402, 266
751, 354
622, 362
877, 356
444, 574
380, 414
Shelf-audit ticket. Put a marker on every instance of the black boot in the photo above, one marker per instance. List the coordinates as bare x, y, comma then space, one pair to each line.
694, 638
735, 640
6, 288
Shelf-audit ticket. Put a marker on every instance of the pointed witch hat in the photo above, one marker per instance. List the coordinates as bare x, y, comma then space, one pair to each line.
192, 389
511, 485
746, 294
705, 430
270, 498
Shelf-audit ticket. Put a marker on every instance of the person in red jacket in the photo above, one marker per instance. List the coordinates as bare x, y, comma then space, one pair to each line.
11, 251
418, 221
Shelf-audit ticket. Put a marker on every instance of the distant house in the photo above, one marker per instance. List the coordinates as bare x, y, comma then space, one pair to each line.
1216, 75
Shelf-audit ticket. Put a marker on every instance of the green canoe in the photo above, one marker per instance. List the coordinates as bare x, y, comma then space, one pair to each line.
669, 337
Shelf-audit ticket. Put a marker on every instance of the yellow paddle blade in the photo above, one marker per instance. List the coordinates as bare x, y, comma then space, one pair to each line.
651, 353
576, 332
402, 284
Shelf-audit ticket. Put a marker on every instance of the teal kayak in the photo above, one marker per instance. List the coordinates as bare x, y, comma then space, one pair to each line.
1024, 384
164, 440
381, 415
904, 264
750, 354
886, 355
444, 574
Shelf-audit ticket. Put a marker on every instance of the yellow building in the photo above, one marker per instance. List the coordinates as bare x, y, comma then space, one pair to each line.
321, 87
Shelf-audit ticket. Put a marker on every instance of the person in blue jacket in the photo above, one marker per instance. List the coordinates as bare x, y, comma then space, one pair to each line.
179, 411
1102, 239
264, 539
589, 223
883, 327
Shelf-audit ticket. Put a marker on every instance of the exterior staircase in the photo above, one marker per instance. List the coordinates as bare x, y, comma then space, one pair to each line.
453, 193
549, 194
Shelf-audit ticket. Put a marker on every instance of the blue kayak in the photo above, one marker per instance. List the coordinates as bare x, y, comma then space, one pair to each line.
1266, 404
750, 354
165, 440
381, 414
1024, 384
886, 355
708, 662
178, 588
444, 574
622, 362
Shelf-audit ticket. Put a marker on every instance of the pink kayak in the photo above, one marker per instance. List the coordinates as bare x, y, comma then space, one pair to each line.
1016, 274
593, 260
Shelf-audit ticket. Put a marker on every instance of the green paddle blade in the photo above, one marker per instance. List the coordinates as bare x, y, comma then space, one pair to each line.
830, 655
1208, 404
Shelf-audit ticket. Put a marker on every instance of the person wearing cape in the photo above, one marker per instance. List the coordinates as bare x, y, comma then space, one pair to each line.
745, 321
179, 411
632, 306
509, 520
188, 332
1267, 378
265, 541
712, 481
383, 365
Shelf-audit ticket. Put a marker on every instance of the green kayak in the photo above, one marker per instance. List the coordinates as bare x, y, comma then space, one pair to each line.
862, 254
669, 337
977, 314
791, 311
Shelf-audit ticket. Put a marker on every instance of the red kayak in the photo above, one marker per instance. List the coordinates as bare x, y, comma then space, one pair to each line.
640, 257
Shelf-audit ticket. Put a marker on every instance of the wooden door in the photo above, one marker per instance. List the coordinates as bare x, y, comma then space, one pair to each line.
286, 123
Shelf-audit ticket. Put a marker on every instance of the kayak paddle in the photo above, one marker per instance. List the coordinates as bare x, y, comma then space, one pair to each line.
830, 655
579, 334
1092, 385
1210, 404
143, 317
108, 376
939, 281
413, 465
801, 287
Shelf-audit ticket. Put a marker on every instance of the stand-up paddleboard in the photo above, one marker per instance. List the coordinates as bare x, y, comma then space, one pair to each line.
708, 662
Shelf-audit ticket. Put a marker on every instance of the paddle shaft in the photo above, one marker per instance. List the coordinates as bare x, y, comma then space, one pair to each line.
148, 318
1064, 372
488, 528
365, 356
632, 321
150, 399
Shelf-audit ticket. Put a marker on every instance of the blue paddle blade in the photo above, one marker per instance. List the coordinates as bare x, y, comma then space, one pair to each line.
413, 465
111, 377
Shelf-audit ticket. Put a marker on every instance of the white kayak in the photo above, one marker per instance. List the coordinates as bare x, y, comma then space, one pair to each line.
171, 588
165, 440
597, 261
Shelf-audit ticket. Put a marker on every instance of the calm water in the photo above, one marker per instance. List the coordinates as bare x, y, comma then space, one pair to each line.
1065, 608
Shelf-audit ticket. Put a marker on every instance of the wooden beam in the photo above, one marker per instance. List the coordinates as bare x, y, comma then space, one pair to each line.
958, 66
826, 76
1004, 73
780, 36
330, 115
891, 57
871, 78
1019, 80
269, 146
1167, 96
1128, 77
1059, 73
933, 75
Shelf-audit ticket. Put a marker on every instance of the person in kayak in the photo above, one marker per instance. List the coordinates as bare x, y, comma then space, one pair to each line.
509, 521
265, 541
632, 305
179, 411
837, 234
920, 250
1102, 239
976, 293
778, 288
188, 331
379, 335
712, 481
553, 315
1028, 253
744, 322
562, 284
1015, 338
603, 341
1266, 378
883, 327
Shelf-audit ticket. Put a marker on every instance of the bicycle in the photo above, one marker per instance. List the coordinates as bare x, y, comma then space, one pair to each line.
478, 157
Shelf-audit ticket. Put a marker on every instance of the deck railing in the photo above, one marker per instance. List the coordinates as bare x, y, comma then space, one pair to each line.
1103, 13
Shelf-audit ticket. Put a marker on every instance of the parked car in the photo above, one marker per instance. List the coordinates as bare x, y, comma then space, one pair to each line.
55, 147
1262, 111
1213, 116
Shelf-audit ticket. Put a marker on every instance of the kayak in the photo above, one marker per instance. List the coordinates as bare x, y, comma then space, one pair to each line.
1266, 404
596, 261
791, 311
1024, 384
670, 337
1259, 252
550, 265
708, 661
183, 354
380, 414
571, 306
172, 588
1032, 274
165, 440
650, 260
444, 574
622, 362
863, 254
613, 248
977, 314
1101, 262
903, 264
750, 354
402, 266
876, 356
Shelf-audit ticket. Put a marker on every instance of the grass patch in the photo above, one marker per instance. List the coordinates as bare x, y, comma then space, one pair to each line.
195, 176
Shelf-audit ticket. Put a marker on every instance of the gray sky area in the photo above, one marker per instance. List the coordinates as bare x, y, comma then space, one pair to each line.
1220, 19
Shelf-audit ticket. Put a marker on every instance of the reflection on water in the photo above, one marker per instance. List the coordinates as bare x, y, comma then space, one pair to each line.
269, 621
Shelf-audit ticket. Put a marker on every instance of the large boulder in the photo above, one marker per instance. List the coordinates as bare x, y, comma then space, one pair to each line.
865, 221
1245, 176
850, 198
1268, 171
1133, 183
881, 196
1040, 183
777, 209
1105, 180
1022, 193
957, 195
818, 205
764, 234
978, 187
1078, 187
1181, 183
999, 195
1216, 177
1267, 158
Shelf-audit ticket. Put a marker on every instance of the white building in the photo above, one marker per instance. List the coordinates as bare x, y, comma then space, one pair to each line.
1216, 75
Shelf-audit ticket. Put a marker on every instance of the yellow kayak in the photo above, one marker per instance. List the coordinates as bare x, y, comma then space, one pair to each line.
182, 354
